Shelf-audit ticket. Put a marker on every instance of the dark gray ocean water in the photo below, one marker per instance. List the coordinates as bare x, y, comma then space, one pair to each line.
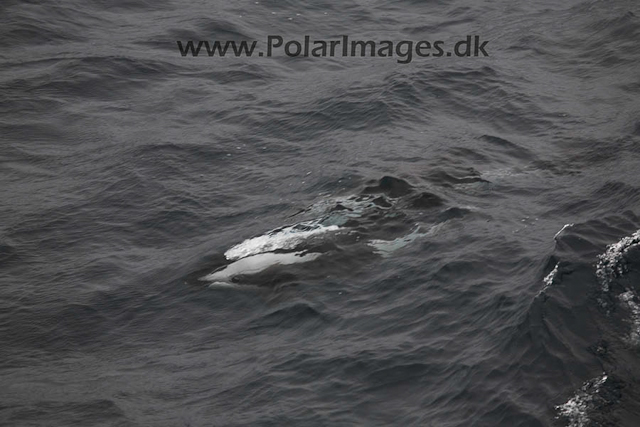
334, 241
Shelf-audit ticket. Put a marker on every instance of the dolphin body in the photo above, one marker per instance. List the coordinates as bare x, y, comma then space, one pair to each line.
375, 216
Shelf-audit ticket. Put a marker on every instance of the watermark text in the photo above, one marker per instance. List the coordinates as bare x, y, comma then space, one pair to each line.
404, 51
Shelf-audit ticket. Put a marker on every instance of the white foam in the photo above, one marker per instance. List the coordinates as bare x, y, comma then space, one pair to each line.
562, 229
548, 280
576, 409
629, 299
611, 264
257, 263
285, 238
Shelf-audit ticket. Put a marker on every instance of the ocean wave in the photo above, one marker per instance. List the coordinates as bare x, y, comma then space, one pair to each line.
578, 408
612, 263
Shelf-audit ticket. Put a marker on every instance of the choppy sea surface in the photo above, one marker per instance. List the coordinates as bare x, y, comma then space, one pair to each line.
339, 241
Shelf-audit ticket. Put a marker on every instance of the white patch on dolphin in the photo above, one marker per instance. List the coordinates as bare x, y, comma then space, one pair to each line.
256, 263
284, 238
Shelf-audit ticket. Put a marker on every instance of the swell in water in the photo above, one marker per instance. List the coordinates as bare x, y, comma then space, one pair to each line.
587, 316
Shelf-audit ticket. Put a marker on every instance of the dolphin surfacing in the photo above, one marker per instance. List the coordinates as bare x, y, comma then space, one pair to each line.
256, 263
